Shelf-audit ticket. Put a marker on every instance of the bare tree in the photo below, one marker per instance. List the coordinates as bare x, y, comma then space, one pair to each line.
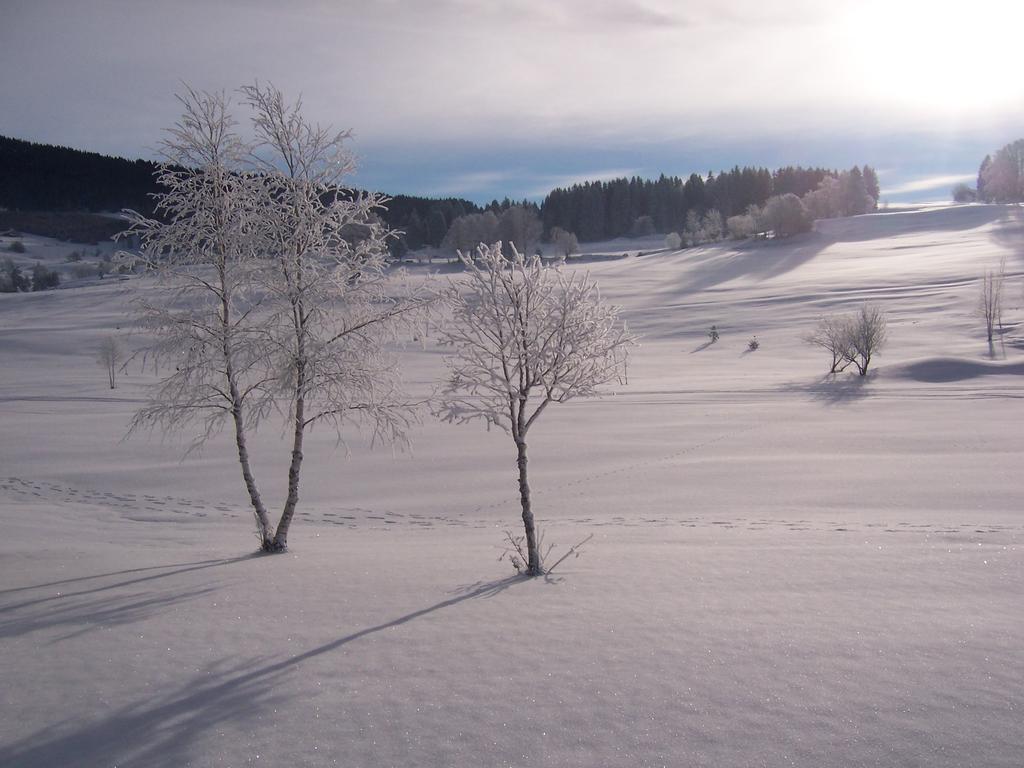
522, 330
990, 300
832, 335
851, 339
110, 356
275, 288
867, 335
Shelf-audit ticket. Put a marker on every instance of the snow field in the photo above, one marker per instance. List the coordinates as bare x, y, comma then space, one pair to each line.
785, 569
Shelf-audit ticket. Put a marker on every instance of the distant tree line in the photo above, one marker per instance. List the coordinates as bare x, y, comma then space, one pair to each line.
601, 210
41, 177
737, 204
47, 178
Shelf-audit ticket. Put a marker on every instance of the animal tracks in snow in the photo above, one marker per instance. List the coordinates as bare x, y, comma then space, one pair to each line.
147, 508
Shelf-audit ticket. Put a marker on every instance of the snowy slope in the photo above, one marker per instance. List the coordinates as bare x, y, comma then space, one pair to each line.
786, 568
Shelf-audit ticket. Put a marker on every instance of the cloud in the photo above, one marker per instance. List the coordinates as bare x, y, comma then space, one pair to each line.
546, 183
517, 94
471, 182
928, 183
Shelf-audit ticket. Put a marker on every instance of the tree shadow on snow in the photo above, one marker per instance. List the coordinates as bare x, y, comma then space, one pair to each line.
759, 260
82, 616
184, 566
161, 731
122, 602
158, 731
179, 568
1008, 232
836, 388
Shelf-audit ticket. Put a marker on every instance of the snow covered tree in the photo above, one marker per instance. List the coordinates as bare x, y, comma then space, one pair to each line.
273, 288
983, 169
565, 242
743, 225
872, 185
202, 249
1003, 178
520, 227
520, 330
467, 232
856, 199
786, 215
331, 303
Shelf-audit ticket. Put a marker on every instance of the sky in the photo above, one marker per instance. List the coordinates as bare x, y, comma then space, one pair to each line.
512, 98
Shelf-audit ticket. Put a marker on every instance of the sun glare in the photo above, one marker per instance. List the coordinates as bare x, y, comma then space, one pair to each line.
948, 57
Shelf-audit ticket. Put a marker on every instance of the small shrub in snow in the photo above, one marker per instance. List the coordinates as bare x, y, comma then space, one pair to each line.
753, 345
16, 247
673, 241
990, 301
516, 551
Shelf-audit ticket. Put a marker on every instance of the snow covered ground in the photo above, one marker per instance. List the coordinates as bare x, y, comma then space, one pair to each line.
785, 569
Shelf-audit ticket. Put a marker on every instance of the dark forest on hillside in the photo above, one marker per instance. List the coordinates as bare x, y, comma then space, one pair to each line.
41, 177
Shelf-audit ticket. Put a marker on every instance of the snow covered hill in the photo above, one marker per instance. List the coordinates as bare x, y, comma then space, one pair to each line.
787, 568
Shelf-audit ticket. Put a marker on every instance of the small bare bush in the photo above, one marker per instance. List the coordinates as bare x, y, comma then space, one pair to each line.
517, 552
109, 356
990, 301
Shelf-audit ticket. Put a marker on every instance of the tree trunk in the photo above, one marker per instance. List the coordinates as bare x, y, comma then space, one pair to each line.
533, 567
280, 543
260, 511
